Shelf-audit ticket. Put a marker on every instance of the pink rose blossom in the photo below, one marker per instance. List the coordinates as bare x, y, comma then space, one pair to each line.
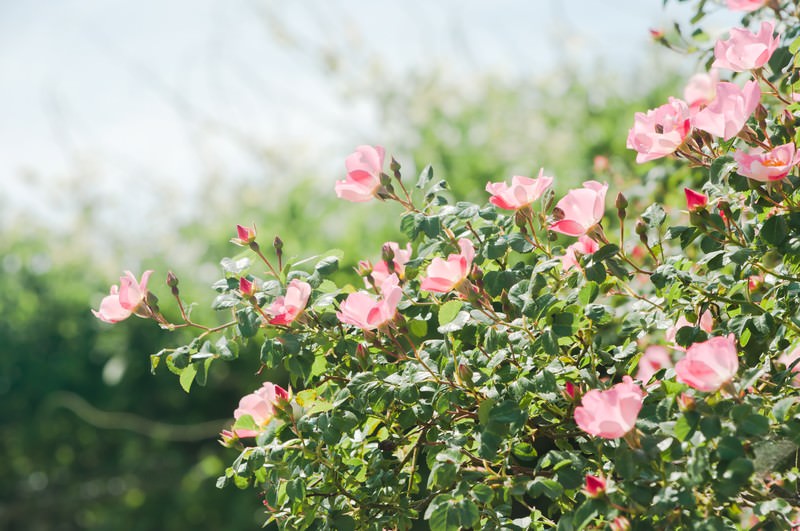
745, 5
380, 271
787, 358
695, 200
522, 192
706, 325
726, 115
444, 276
125, 300
582, 208
285, 309
700, 90
612, 413
585, 245
660, 131
707, 366
745, 50
767, 166
362, 310
364, 168
260, 405
595, 486
654, 359
244, 235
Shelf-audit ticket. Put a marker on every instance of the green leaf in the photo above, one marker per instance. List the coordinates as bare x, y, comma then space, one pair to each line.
720, 168
327, 265
755, 425
687, 425
654, 216
589, 293
442, 514
449, 310
774, 230
549, 487
456, 324
247, 321
425, 177
187, 376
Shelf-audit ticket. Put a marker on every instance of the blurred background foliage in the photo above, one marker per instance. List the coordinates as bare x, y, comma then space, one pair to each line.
91, 440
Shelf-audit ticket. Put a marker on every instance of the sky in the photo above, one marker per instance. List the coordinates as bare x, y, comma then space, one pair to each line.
132, 101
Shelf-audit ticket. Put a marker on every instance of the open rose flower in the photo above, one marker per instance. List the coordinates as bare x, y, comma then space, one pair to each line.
260, 405
585, 245
660, 131
522, 192
745, 50
726, 115
581, 209
700, 90
654, 359
368, 313
766, 166
380, 271
127, 299
710, 364
364, 168
286, 308
443, 276
706, 324
612, 413
745, 5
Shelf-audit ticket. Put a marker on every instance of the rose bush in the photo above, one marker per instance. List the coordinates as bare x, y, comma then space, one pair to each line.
492, 388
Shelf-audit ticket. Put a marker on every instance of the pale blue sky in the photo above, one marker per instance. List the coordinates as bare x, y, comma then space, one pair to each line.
134, 98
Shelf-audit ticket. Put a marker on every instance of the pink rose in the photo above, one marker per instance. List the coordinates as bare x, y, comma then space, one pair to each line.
700, 90
654, 359
660, 131
612, 413
522, 192
706, 324
787, 358
444, 276
129, 298
380, 271
726, 115
260, 405
595, 486
285, 309
707, 366
695, 200
582, 208
585, 245
364, 168
767, 166
745, 50
745, 5
364, 311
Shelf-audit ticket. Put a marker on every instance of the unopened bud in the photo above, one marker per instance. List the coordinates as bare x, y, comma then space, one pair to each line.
386, 180
246, 287
641, 230
277, 243
601, 163
172, 280
362, 355
387, 253
621, 203
395, 167
520, 219
620, 523
364, 268
760, 113
685, 402
464, 374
